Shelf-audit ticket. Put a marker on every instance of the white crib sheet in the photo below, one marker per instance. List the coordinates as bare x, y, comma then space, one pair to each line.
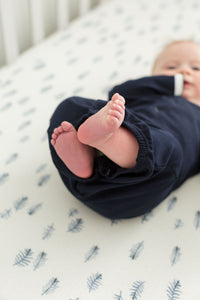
52, 246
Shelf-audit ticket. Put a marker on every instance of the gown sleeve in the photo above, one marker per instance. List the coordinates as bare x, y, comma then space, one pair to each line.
153, 85
159, 149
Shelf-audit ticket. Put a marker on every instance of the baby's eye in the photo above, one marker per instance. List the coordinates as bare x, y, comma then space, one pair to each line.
196, 68
171, 67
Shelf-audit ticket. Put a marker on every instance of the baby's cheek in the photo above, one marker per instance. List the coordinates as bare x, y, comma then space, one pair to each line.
198, 91
169, 72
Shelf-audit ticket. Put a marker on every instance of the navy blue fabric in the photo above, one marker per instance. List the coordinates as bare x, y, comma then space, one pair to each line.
167, 128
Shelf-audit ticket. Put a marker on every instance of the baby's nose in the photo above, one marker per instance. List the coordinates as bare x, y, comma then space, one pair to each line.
184, 70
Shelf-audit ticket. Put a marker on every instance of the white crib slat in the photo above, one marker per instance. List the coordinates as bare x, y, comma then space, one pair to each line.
84, 6
62, 13
9, 30
103, 1
37, 20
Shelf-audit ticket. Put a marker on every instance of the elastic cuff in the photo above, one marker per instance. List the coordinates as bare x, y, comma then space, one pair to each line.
178, 84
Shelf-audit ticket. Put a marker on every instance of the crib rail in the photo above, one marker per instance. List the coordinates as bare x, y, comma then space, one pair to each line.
25, 23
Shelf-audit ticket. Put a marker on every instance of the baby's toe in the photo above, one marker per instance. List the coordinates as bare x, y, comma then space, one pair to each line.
122, 99
66, 126
115, 96
53, 142
58, 130
54, 136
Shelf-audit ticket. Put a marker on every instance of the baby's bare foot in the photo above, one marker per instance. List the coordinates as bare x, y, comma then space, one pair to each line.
98, 128
78, 158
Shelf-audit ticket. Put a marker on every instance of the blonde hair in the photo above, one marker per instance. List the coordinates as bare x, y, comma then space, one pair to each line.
170, 44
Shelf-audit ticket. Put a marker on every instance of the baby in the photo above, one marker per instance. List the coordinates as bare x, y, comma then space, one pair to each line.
123, 157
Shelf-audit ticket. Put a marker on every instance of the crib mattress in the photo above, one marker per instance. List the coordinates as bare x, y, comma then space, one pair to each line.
52, 246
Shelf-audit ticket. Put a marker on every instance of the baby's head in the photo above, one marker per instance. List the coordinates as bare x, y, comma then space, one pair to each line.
181, 57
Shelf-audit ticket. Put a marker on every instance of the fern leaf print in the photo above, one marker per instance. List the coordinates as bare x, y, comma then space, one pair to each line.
40, 260
146, 217
41, 168
136, 250
73, 211
115, 222
173, 291
6, 213
197, 220
75, 225
94, 281
12, 158
118, 297
23, 258
24, 125
92, 253
3, 178
34, 209
176, 253
137, 290
172, 203
43, 179
50, 287
20, 203
178, 224
48, 232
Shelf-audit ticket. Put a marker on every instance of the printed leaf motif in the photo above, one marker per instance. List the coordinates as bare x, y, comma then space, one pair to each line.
12, 158
5, 214
43, 180
41, 168
78, 90
24, 125
39, 65
23, 100
44, 137
172, 203
3, 178
136, 250
29, 111
197, 220
75, 225
92, 253
73, 211
34, 209
44, 89
60, 96
49, 77
40, 260
48, 232
173, 291
176, 253
137, 289
50, 287
147, 216
83, 75
20, 203
115, 222
9, 94
6, 106
23, 258
24, 139
118, 297
178, 223
94, 281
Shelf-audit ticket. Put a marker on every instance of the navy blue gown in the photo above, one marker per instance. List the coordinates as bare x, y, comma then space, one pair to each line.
167, 128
